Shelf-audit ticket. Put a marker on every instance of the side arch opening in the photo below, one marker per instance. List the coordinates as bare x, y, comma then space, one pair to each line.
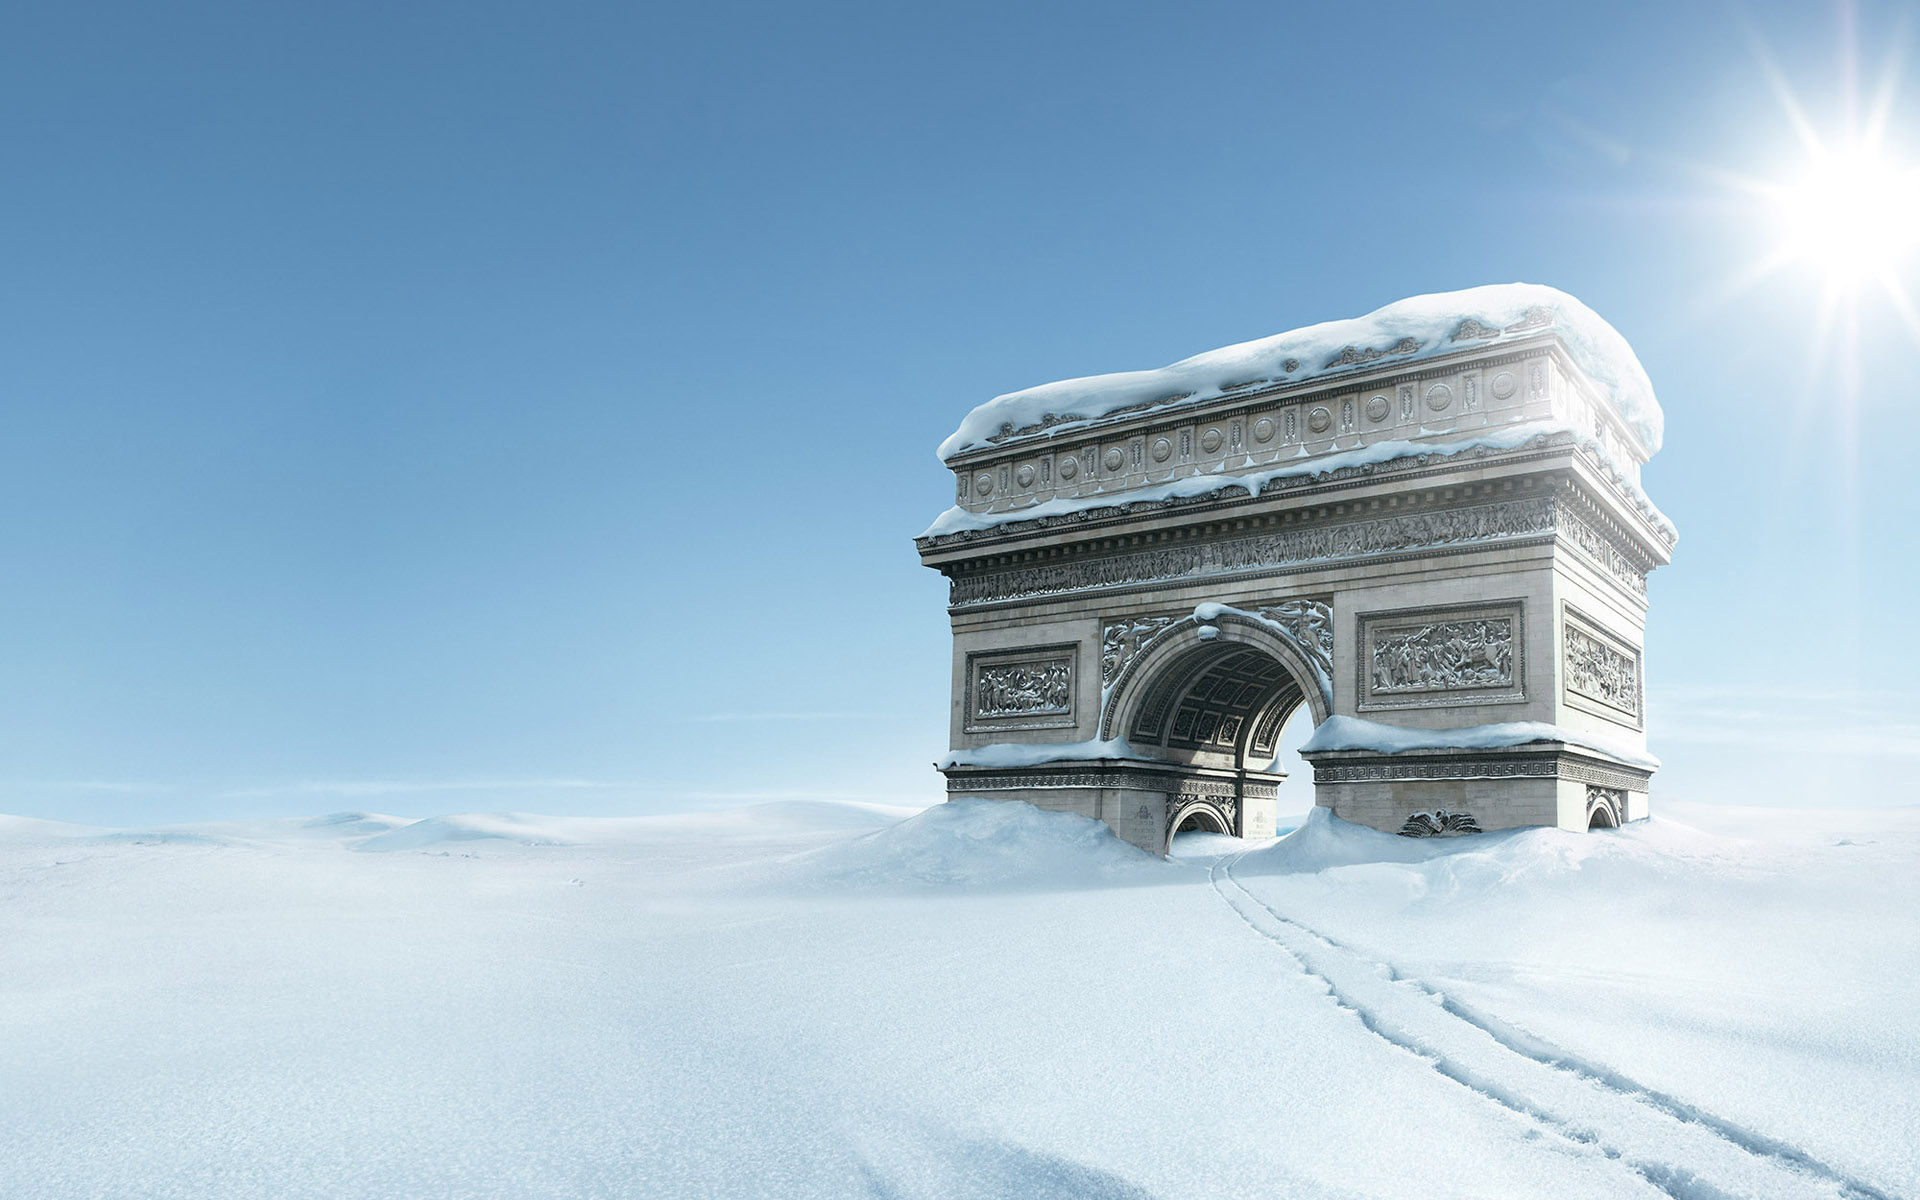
1199, 820
1196, 819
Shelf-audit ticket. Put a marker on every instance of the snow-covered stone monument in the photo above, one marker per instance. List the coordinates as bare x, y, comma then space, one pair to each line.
1425, 525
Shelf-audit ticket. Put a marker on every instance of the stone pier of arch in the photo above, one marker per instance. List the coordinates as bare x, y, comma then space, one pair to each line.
1437, 547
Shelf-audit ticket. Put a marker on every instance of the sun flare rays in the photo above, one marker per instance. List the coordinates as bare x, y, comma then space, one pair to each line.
1848, 213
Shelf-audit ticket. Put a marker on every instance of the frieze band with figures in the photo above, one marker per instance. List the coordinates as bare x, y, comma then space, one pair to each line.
1441, 531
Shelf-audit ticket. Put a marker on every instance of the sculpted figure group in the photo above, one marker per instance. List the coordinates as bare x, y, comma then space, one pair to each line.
1450, 654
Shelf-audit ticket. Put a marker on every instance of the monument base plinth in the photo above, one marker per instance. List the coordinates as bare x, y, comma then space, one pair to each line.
1540, 783
1145, 803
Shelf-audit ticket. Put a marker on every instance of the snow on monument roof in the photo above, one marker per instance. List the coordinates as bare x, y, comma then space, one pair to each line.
1405, 331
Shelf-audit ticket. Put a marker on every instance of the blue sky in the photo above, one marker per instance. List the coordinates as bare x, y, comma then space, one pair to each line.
431, 408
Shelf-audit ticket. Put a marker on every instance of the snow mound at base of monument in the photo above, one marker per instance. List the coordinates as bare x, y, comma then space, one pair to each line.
1324, 840
1394, 878
1449, 865
986, 845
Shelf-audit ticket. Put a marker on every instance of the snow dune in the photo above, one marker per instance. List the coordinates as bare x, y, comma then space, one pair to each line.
811, 999
980, 845
354, 822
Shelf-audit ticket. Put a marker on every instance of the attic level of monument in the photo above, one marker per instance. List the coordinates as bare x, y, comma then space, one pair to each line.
1465, 387
1354, 370
1424, 526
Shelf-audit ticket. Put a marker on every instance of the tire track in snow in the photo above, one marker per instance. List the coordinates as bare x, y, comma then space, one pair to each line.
1678, 1148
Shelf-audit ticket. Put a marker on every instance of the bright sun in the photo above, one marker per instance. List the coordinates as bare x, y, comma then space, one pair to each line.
1853, 215
1850, 216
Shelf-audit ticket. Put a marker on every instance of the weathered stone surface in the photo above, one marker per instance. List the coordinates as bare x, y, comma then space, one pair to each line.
1466, 578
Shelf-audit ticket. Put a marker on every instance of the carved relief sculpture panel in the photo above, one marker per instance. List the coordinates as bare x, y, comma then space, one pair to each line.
1602, 671
1428, 657
1028, 689
1444, 656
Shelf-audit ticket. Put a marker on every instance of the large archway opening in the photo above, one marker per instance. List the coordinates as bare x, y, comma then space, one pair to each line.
1219, 704
1212, 697
1295, 800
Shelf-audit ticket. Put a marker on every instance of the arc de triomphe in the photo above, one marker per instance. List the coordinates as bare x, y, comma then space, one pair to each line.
1425, 526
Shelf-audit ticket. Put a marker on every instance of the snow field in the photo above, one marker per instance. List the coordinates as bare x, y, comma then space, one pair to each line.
981, 1000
